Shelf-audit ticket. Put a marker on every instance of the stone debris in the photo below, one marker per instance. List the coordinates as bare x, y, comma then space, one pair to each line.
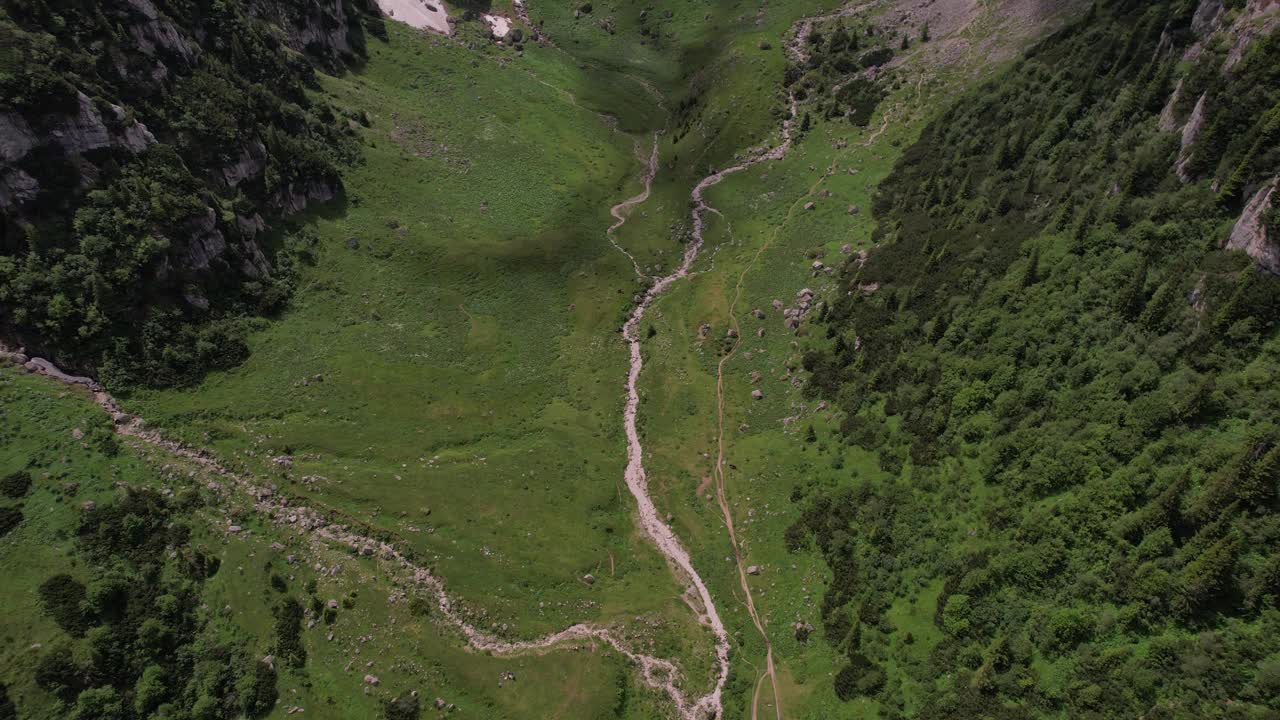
758, 314
809, 205
793, 316
589, 579
757, 394
88, 506
753, 569
371, 680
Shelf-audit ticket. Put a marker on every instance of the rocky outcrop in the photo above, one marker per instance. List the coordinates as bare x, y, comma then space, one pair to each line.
1169, 121
250, 164
155, 34
1251, 234
1258, 18
295, 196
1190, 131
1206, 17
322, 29
76, 133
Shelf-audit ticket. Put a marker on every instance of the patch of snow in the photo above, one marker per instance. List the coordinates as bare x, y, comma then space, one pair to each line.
500, 25
417, 13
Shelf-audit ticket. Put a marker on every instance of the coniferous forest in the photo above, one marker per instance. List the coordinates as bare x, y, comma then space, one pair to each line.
1066, 379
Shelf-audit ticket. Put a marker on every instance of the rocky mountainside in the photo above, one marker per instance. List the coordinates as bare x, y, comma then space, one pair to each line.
147, 151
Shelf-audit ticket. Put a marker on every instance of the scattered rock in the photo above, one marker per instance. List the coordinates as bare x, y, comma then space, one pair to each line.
371, 680
589, 579
809, 205
753, 569
353, 244
88, 506
853, 210
846, 249
758, 313
77, 434
757, 394
234, 529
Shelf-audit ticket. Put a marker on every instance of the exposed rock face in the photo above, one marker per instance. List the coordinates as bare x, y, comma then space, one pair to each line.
1168, 119
1259, 19
1205, 20
295, 196
324, 29
156, 34
1250, 232
1190, 132
75, 133
250, 164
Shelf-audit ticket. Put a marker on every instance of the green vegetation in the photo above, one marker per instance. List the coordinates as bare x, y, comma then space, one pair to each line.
140, 254
838, 78
1084, 457
1044, 485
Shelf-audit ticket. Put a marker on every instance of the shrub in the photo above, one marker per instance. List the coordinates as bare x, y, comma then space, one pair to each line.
288, 625
60, 598
10, 518
262, 695
16, 484
405, 707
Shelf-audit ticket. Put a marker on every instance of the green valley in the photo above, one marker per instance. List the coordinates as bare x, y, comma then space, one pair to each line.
523, 359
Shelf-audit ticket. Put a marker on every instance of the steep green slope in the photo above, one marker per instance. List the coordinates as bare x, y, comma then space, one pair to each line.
150, 150
1069, 384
